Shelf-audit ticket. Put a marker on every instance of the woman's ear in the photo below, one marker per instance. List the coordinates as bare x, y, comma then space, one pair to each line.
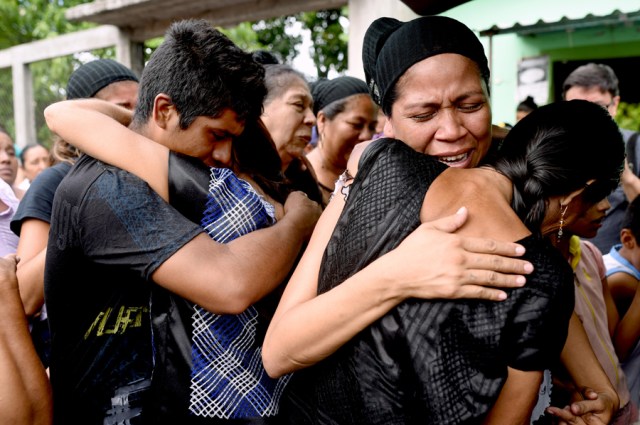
321, 120
163, 110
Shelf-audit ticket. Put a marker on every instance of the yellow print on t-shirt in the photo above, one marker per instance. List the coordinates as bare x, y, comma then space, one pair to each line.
107, 323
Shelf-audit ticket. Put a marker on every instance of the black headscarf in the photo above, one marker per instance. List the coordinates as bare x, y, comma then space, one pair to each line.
326, 91
391, 47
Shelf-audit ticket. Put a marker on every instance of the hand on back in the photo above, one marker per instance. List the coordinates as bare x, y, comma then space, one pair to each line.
432, 262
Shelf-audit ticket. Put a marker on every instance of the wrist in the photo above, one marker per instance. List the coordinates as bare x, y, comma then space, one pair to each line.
383, 281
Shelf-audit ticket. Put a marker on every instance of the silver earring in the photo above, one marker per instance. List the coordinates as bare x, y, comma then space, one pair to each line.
562, 213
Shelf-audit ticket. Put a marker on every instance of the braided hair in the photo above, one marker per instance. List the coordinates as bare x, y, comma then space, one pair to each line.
556, 150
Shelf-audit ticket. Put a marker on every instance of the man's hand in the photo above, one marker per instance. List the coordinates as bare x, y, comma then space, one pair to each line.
303, 211
595, 409
434, 263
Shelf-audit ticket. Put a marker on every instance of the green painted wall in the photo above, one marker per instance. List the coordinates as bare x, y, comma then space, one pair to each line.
505, 51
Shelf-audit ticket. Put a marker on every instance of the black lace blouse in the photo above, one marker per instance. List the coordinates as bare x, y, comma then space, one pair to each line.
433, 361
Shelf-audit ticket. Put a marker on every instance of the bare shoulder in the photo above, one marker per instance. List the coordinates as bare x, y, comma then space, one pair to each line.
490, 212
452, 189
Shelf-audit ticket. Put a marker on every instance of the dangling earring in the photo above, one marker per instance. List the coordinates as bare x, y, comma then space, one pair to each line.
562, 213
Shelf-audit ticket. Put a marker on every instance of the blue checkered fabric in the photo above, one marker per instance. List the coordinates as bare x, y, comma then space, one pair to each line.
228, 380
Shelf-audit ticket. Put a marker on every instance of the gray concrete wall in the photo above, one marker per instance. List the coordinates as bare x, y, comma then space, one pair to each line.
361, 14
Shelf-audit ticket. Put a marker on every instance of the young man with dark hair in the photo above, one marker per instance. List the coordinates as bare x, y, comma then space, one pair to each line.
113, 239
598, 83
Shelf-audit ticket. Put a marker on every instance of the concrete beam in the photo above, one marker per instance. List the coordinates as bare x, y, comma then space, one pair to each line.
67, 44
146, 19
19, 57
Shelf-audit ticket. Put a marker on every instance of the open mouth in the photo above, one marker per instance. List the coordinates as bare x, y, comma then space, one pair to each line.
454, 159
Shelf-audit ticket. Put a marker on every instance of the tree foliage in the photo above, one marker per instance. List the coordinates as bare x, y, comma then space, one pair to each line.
272, 35
328, 37
628, 116
23, 21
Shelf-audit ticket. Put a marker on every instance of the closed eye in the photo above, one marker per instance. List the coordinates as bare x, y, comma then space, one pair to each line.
471, 107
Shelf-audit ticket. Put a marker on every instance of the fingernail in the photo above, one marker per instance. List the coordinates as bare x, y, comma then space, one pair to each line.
521, 280
502, 296
520, 250
461, 210
528, 267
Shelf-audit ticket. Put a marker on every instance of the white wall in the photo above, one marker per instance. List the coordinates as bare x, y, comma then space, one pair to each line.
361, 14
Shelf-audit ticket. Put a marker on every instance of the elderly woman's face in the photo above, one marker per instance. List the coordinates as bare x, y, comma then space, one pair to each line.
289, 119
442, 109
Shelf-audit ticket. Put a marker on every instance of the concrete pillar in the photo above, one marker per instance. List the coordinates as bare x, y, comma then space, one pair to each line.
130, 53
23, 110
361, 14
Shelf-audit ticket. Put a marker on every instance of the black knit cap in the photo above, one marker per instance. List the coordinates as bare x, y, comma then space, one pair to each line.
326, 91
93, 76
391, 47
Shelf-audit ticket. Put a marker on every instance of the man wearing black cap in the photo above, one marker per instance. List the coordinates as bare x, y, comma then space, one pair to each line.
104, 79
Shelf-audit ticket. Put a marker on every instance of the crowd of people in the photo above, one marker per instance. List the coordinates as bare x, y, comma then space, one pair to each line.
222, 241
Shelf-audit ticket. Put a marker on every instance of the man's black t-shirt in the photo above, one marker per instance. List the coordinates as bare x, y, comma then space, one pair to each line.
109, 233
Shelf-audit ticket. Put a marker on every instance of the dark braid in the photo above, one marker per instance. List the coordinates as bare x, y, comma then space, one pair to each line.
556, 150
530, 179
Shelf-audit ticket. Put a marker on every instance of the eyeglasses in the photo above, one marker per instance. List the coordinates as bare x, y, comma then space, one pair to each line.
603, 105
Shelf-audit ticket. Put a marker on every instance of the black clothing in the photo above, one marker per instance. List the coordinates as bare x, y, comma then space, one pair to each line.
301, 177
109, 233
426, 361
38, 199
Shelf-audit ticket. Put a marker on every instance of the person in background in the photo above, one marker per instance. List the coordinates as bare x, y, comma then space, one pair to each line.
288, 115
598, 83
25, 394
9, 194
623, 274
345, 115
525, 108
34, 159
103, 79
595, 307
9, 163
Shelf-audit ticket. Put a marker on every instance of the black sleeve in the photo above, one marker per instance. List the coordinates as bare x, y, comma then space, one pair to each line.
188, 185
123, 222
